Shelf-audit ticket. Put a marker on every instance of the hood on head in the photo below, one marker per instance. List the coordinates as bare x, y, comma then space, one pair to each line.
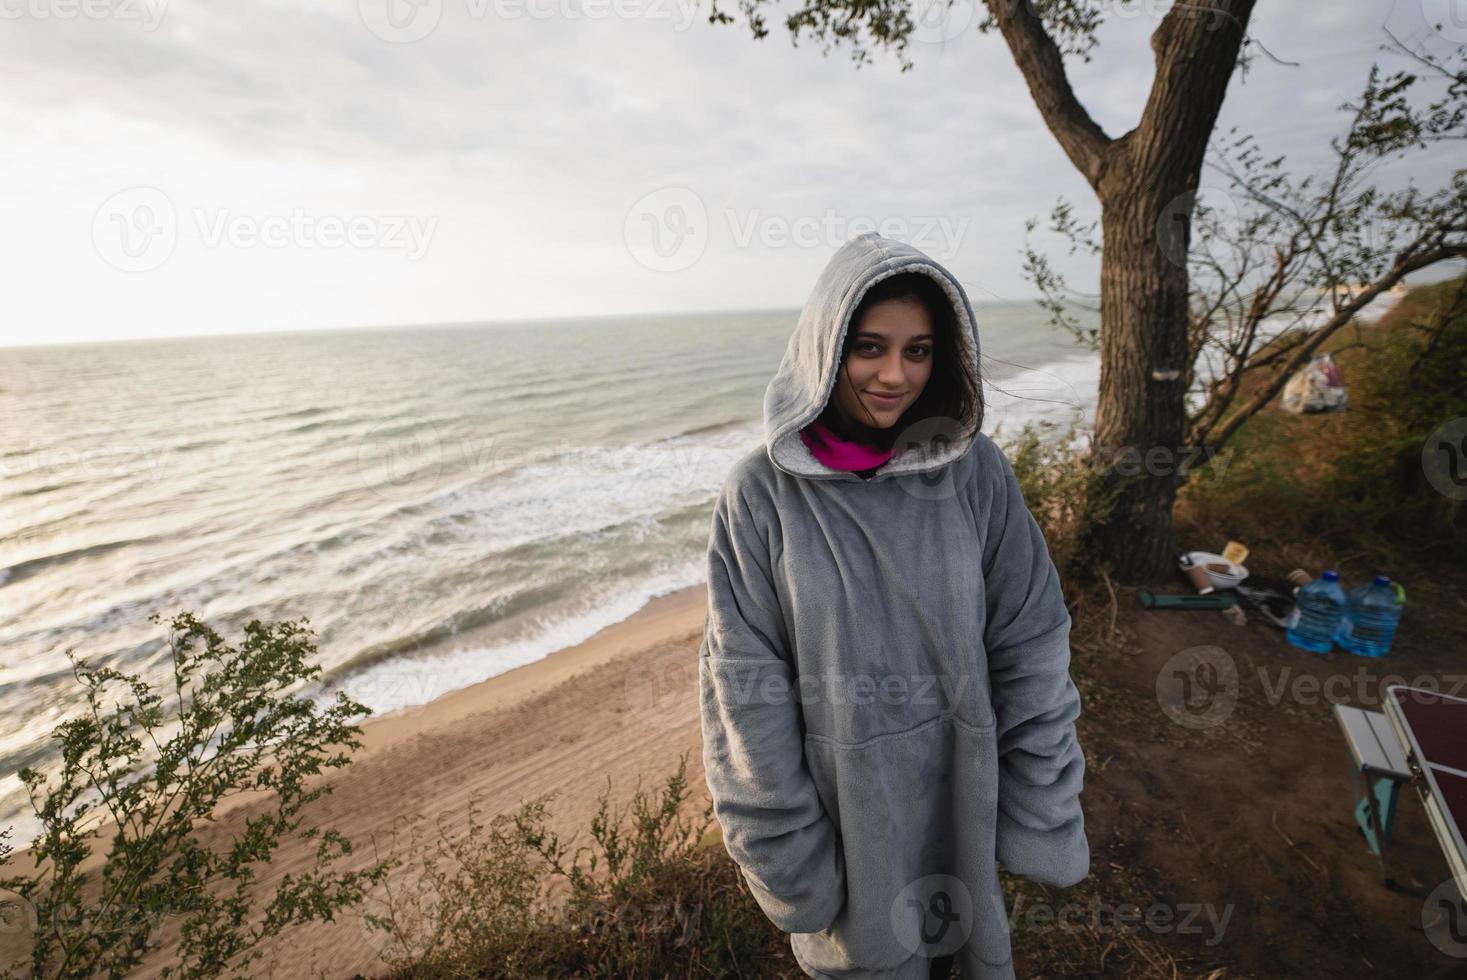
807, 374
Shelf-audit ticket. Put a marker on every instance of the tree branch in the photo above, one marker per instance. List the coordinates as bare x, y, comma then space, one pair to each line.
1306, 350
1043, 68
1196, 46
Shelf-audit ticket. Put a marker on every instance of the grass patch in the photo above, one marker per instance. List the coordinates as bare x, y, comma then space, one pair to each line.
654, 895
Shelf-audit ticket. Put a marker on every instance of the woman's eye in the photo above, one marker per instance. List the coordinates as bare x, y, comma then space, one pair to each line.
876, 349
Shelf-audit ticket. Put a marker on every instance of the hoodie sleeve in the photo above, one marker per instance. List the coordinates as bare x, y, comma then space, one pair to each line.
774, 825
1041, 828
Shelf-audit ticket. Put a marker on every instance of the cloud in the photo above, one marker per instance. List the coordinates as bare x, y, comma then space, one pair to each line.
528, 138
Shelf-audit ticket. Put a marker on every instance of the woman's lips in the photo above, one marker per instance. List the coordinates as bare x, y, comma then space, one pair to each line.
885, 401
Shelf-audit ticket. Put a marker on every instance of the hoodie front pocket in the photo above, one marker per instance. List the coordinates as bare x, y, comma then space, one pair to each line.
912, 830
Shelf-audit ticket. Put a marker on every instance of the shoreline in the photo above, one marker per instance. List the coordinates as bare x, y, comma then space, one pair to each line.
655, 622
606, 717
660, 619
601, 718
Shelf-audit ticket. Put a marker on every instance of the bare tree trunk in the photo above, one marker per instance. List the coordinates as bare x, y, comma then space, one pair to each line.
1143, 180
1146, 181
1141, 414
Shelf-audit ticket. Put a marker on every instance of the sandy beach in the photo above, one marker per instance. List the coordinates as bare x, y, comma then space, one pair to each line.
621, 705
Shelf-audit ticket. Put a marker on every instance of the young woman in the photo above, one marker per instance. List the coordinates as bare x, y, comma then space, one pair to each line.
887, 710
886, 375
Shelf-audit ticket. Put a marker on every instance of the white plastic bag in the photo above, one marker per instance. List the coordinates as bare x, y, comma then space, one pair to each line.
1317, 387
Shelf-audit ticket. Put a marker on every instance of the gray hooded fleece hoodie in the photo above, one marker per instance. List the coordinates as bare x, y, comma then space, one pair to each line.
887, 710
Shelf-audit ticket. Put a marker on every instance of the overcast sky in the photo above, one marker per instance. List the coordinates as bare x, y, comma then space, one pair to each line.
218, 166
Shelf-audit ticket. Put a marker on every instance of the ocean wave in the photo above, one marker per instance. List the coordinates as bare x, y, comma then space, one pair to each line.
48, 488
31, 566
341, 423
500, 608
420, 672
300, 413
709, 429
197, 444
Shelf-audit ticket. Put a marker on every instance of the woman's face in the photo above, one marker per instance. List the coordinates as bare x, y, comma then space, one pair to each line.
891, 354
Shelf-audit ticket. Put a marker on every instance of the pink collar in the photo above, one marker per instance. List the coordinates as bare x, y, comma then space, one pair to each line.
838, 453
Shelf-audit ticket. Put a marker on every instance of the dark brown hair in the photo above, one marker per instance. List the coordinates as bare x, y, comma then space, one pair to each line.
953, 390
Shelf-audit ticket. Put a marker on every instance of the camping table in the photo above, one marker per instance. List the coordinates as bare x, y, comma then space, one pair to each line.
1381, 766
1431, 728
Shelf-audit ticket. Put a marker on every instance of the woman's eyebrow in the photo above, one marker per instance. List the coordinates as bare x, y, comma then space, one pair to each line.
882, 336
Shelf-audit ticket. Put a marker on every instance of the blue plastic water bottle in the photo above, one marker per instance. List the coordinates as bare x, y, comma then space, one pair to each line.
1371, 614
1318, 608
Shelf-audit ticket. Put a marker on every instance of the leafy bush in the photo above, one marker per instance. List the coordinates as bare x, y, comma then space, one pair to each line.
1411, 384
142, 772
1354, 478
1057, 481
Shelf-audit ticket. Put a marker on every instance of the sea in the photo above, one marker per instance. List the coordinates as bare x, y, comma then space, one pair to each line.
441, 503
